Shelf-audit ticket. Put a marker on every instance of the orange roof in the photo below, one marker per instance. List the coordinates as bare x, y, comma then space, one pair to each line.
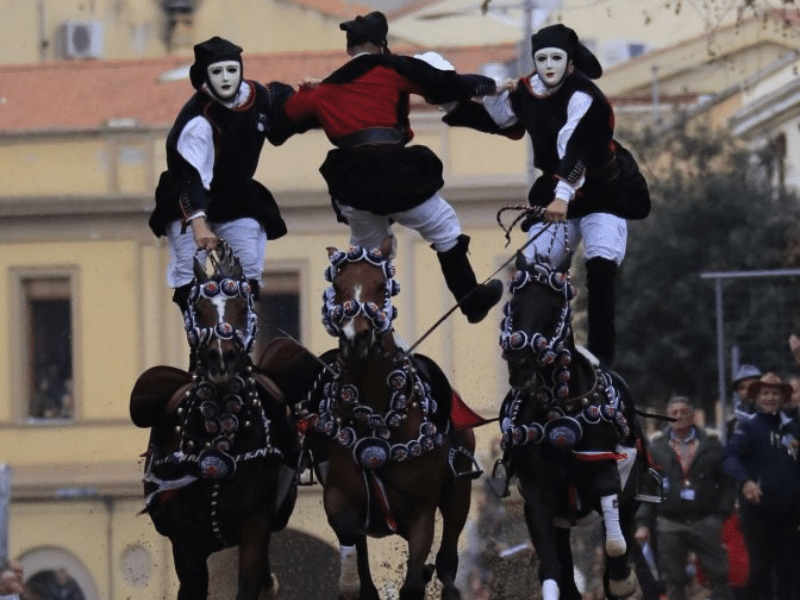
86, 95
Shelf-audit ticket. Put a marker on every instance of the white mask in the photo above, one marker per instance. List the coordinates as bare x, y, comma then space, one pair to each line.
551, 65
224, 78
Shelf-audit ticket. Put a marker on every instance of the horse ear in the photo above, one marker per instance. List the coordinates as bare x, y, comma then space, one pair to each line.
389, 247
521, 263
199, 271
331, 251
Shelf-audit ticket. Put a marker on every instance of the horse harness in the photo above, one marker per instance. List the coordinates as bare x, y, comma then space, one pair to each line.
560, 418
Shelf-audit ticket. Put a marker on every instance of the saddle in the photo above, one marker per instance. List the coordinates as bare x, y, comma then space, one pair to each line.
156, 394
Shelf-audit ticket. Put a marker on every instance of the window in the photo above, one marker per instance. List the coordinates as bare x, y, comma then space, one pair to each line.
47, 322
278, 308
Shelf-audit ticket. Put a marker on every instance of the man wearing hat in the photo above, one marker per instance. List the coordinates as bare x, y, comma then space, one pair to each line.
589, 184
744, 376
762, 456
208, 190
374, 177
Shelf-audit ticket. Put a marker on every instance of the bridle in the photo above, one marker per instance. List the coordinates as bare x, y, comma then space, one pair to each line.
334, 315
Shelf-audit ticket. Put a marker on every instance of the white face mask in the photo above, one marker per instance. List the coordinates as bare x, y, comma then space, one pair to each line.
224, 77
551, 65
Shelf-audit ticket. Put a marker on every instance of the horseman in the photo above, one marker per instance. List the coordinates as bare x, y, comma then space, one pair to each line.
374, 177
589, 183
208, 190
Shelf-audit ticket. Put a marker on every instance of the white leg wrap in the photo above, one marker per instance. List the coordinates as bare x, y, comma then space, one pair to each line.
349, 583
549, 589
615, 541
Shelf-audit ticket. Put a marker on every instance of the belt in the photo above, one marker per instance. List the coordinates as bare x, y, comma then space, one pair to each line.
371, 136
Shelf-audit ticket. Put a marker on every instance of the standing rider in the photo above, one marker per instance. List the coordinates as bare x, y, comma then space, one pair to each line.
589, 183
373, 176
208, 190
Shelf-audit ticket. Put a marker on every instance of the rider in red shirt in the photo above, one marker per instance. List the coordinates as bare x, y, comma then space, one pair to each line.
374, 177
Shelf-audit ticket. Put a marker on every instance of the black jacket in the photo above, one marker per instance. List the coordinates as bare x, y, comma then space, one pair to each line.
238, 140
713, 490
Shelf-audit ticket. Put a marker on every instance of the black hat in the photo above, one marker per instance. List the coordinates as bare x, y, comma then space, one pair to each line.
209, 52
561, 36
369, 28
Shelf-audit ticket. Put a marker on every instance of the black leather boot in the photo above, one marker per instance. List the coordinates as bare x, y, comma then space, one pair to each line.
475, 300
600, 279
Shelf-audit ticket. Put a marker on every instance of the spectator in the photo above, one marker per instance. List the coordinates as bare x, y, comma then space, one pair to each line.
698, 497
762, 457
11, 578
744, 376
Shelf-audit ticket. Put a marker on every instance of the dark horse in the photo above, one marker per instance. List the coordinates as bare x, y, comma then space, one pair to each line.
381, 435
219, 465
570, 434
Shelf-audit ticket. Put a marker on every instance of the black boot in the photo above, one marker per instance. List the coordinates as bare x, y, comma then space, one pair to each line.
475, 300
600, 277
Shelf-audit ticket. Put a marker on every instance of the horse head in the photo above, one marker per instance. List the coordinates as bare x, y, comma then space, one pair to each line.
537, 324
220, 322
358, 304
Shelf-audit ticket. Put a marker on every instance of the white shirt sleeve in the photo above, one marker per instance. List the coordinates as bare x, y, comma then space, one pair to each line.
577, 107
196, 146
499, 108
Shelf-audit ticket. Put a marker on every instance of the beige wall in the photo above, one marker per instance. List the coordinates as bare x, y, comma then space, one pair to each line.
131, 29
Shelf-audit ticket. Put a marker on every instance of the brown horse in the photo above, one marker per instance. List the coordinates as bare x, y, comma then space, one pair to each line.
385, 448
569, 433
220, 467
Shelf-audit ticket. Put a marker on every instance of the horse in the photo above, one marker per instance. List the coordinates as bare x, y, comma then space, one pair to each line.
381, 437
569, 434
220, 468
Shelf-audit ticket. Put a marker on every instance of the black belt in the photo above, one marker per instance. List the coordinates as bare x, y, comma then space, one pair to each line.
370, 136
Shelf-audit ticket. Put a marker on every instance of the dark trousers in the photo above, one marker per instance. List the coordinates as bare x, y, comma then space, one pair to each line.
773, 544
677, 540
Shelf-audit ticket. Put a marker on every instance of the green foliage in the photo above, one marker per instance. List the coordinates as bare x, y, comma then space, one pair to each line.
710, 213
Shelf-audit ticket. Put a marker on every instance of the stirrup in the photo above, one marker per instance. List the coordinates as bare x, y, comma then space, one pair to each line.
651, 489
501, 477
473, 471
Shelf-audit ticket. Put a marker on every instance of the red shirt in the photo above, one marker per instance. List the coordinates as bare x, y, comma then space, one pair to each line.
378, 98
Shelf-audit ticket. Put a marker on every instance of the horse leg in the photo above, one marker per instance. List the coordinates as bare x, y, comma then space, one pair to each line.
420, 540
621, 578
191, 569
538, 510
454, 509
254, 568
567, 588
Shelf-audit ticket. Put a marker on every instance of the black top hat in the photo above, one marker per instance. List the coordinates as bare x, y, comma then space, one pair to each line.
209, 52
561, 36
368, 28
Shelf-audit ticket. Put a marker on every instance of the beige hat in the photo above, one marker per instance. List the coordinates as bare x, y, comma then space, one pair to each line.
769, 380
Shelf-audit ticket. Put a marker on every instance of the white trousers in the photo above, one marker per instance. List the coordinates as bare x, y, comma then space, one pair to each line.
245, 236
435, 220
604, 236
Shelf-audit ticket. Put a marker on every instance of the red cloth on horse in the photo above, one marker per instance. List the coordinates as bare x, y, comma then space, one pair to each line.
463, 416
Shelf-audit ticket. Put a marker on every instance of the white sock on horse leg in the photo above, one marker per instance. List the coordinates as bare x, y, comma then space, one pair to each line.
615, 541
349, 582
549, 589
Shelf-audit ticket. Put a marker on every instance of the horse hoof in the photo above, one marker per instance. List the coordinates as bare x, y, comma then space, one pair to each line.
624, 588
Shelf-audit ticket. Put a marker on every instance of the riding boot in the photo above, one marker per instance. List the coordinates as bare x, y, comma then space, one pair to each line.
255, 289
600, 277
475, 300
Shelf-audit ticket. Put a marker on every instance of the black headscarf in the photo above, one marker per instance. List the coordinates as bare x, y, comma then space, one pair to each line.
209, 52
368, 28
561, 36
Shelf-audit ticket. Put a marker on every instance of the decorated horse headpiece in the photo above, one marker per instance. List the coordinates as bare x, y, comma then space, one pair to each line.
334, 314
547, 351
226, 283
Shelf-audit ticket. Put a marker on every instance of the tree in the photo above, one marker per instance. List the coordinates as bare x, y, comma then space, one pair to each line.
712, 211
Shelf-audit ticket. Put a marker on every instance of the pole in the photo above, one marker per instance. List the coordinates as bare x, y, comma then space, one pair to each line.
721, 355
526, 65
5, 499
